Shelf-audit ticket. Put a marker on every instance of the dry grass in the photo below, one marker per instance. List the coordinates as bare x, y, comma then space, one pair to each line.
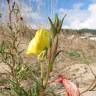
75, 68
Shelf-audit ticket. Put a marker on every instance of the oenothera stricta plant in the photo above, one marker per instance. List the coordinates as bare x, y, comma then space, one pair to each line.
45, 46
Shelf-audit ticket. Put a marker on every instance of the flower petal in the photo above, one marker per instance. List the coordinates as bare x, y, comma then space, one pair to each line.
39, 42
32, 48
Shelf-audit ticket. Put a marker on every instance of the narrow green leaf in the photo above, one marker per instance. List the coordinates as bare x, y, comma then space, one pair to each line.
0, 14
2, 47
56, 23
53, 29
61, 23
58, 53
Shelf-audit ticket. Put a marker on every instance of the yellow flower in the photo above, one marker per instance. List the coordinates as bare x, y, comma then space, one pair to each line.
39, 42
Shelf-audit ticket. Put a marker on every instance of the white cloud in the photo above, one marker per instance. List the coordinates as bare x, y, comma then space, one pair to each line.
77, 18
32, 18
39, 3
94, 1
77, 6
92, 8
28, 12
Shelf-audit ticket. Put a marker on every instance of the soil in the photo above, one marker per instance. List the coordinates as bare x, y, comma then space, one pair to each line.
77, 68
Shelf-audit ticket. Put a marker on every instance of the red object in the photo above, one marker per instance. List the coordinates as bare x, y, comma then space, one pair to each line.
70, 87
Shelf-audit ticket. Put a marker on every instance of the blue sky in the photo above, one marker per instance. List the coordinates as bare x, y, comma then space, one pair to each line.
80, 13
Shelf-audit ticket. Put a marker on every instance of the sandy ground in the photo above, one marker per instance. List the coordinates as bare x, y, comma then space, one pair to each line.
75, 68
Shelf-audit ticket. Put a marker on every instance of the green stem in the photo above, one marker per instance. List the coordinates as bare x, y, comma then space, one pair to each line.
47, 76
42, 91
42, 72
